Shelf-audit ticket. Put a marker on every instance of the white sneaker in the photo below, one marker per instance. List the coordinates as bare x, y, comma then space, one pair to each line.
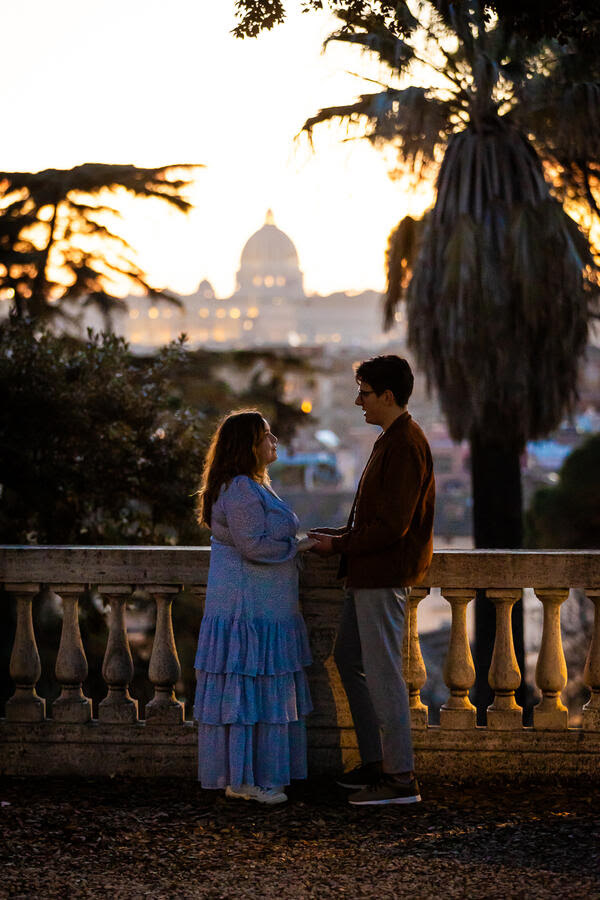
270, 796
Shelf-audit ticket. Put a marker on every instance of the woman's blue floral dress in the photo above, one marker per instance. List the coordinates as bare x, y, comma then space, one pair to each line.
252, 693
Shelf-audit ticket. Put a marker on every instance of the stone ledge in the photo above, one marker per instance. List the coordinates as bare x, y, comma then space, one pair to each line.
96, 749
484, 755
189, 565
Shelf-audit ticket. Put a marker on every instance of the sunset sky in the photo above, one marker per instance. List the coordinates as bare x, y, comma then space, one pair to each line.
153, 82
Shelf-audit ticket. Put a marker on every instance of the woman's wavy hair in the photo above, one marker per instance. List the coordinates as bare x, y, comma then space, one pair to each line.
232, 452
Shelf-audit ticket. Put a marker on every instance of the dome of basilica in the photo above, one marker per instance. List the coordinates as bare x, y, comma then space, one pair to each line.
270, 260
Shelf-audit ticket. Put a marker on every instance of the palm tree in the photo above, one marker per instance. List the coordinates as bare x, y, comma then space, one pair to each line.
58, 237
498, 279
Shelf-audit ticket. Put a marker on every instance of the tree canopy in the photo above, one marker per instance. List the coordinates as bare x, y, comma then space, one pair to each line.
535, 19
60, 240
568, 514
563, 20
95, 445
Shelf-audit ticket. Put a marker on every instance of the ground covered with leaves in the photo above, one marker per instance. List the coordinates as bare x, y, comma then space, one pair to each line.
126, 838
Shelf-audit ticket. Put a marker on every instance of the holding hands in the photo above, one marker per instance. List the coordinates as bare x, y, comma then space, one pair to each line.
322, 545
306, 543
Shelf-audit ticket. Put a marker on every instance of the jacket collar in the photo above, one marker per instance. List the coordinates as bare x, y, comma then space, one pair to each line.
397, 425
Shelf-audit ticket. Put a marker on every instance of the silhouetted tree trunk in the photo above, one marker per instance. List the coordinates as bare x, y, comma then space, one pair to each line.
497, 524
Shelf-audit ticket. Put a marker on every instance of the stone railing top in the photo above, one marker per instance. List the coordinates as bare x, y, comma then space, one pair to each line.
189, 565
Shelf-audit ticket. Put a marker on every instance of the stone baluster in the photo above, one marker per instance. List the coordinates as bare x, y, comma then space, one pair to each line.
117, 668
164, 669
591, 672
459, 672
504, 676
415, 673
551, 668
71, 664
25, 667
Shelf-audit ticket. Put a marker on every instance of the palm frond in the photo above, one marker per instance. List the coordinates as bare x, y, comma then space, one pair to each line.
458, 19
484, 166
396, 53
372, 106
401, 255
415, 119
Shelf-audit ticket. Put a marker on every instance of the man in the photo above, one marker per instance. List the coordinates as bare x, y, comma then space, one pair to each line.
385, 548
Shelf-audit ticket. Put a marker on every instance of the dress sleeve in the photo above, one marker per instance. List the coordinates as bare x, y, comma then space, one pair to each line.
247, 524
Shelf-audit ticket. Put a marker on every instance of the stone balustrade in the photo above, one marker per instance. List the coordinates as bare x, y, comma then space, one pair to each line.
65, 739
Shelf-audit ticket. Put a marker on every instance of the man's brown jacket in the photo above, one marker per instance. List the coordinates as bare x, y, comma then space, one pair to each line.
388, 541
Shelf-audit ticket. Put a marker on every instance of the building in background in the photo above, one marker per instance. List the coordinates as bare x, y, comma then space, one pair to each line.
269, 308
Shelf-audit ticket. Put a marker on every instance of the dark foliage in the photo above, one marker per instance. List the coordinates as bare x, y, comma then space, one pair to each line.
59, 236
96, 446
567, 516
562, 20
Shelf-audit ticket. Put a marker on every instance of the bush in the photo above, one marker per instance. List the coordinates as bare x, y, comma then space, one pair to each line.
567, 516
96, 445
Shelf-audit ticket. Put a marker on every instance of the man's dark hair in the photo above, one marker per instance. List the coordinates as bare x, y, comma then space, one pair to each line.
388, 373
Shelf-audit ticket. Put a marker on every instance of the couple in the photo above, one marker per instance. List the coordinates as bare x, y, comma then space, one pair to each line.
252, 693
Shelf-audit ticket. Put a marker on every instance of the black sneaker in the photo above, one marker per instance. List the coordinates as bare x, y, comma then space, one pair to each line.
360, 776
386, 791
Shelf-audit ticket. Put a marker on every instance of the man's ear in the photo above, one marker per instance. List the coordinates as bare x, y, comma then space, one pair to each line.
389, 397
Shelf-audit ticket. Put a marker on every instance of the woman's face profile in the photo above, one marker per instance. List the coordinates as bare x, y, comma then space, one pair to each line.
266, 449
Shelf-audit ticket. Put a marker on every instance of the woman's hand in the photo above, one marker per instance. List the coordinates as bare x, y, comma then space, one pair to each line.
306, 543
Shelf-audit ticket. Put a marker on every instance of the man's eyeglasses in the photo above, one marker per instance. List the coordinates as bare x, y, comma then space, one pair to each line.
362, 394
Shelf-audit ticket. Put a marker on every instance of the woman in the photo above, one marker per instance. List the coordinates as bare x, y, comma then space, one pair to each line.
252, 692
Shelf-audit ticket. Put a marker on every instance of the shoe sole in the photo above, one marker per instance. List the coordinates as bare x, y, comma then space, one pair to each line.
416, 798
232, 796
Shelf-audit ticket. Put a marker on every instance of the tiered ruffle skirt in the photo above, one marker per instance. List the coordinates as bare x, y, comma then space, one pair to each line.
251, 700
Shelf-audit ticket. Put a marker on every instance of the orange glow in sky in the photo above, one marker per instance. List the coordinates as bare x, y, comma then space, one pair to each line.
152, 82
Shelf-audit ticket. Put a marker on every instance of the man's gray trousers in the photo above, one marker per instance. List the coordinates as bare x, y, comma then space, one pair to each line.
368, 654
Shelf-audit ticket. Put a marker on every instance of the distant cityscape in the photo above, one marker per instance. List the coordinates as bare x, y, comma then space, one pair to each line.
269, 308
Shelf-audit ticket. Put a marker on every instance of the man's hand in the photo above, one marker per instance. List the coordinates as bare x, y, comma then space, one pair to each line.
323, 546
